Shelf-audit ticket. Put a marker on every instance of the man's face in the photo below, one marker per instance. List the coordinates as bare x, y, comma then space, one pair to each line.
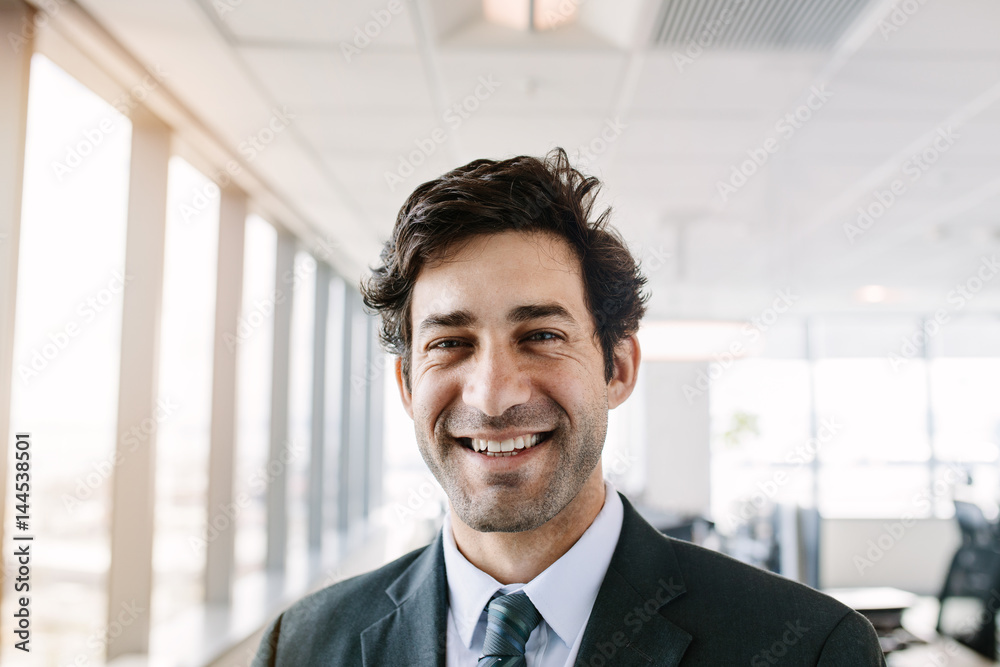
504, 350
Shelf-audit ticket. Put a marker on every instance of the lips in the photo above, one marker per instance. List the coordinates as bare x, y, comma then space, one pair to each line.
508, 447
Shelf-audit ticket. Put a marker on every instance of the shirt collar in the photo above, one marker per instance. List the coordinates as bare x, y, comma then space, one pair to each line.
564, 593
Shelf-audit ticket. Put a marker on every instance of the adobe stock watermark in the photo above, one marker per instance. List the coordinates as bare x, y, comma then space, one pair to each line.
255, 143
912, 344
652, 259
208, 194
773, 654
225, 515
914, 167
45, 10
619, 463
799, 458
453, 117
587, 154
785, 127
899, 16
753, 330
91, 138
417, 500
138, 434
604, 652
373, 371
893, 533
99, 640
364, 35
125, 617
40, 358
563, 12
707, 34
263, 308
223, 7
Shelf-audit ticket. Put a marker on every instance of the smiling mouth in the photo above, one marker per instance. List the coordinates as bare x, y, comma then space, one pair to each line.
509, 447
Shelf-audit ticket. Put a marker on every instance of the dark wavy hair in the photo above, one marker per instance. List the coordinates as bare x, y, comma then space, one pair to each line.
523, 193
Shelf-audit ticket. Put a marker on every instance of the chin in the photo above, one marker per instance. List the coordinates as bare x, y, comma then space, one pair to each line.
491, 522
494, 515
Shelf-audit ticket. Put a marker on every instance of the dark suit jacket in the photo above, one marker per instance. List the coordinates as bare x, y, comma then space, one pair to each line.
662, 602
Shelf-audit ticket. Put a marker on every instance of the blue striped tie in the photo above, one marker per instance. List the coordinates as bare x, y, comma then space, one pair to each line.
510, 620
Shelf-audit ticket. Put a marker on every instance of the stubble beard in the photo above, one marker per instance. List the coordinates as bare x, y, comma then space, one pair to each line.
501, 506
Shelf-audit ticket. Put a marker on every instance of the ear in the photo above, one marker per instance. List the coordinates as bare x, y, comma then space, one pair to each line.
404, 391
627, 356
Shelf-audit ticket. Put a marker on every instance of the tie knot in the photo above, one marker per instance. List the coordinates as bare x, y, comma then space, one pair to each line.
510, 620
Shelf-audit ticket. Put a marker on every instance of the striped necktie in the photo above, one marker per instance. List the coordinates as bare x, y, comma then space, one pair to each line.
511, 618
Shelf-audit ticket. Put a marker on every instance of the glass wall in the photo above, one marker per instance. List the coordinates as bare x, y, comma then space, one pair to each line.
253, 345
65, 389
187, 330
67, 333
882, 419
303, 286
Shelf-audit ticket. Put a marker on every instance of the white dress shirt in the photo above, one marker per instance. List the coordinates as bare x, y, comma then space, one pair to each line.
564, 593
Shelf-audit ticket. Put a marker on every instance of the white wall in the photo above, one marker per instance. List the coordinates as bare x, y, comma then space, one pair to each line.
677, 445
883, 552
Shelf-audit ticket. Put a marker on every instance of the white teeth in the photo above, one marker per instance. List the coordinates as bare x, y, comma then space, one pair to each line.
507, 447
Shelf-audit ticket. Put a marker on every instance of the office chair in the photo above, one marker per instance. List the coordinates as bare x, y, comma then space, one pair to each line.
975, 527
970, 598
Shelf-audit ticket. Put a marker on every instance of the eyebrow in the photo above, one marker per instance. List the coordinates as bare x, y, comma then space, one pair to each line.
518, 315
537, 311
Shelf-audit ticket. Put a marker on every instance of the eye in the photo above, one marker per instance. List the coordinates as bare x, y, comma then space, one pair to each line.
543, 336
445, 344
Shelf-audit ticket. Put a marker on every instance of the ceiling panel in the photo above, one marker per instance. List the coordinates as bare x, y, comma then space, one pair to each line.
906, 83
684, 125
578, 82
375, 24
954, 26
501, 136
724, 82
316, 80
361, 134
701, 136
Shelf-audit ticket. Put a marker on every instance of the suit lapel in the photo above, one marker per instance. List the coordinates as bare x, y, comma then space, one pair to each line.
415, 633
625, 627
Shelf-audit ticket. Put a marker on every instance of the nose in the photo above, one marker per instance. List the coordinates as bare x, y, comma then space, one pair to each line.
497, 381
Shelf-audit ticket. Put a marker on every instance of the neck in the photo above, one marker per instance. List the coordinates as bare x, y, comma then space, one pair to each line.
512, 558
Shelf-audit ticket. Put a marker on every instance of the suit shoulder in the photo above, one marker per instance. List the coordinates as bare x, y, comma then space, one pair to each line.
738, 613
363, 592
326, 626
711, 571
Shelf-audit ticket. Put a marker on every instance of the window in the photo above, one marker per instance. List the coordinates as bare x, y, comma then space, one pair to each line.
760, 438
896, 432
253, 343
300, 403
67, 340
186, 342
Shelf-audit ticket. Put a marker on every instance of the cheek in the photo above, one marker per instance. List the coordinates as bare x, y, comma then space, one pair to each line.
430, 397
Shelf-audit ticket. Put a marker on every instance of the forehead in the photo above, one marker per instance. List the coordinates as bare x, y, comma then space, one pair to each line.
488, 274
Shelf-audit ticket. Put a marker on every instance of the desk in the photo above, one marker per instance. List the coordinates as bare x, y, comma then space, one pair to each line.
920, 619
941, 653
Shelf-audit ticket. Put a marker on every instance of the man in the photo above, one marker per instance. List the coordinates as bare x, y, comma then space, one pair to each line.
513, 317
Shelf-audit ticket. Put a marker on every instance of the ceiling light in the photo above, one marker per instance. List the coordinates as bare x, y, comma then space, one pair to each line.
872, 294
533, 15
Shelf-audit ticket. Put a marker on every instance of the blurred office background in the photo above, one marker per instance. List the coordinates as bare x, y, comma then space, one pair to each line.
192, 190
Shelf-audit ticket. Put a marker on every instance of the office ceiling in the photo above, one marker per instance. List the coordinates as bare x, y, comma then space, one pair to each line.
668, 121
